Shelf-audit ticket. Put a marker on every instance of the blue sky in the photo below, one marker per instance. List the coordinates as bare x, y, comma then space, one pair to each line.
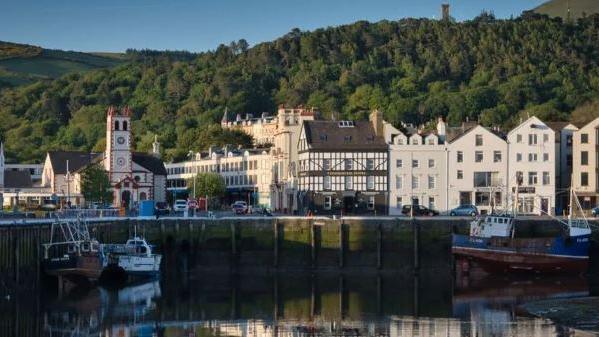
197, 25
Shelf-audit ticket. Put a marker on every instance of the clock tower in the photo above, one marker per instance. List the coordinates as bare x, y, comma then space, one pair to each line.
118, 161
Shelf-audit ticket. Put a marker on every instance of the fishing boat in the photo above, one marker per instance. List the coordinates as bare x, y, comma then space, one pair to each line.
135, 257
492, 245
72, 253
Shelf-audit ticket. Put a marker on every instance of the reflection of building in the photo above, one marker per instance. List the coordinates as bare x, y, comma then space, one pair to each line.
343, 166
245, 172
418, 169
532, 157
585, 176
477, 162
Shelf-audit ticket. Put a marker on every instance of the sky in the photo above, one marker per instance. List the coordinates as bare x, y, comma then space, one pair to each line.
199, 25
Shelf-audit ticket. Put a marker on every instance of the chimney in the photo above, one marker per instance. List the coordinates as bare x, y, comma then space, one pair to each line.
376, 118
441, 130
156, 147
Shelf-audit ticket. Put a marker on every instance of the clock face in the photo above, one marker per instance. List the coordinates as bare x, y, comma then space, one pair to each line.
120, 162
120, 140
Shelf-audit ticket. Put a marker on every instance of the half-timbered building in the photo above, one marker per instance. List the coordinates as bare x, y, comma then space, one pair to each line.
343, 167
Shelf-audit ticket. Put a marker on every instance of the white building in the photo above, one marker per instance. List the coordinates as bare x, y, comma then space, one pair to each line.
247, 173
418, 170
585, 174
532, 157
477, 175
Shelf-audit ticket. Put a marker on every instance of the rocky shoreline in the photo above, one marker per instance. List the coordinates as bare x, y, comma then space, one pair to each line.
581, 314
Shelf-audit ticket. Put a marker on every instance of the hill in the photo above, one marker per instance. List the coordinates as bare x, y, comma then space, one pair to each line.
22, 64
559, 8
414, 70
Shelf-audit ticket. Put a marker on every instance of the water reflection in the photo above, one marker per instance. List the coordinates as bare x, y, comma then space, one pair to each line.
301, 305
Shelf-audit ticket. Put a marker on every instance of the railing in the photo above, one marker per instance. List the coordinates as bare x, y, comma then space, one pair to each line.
86, 213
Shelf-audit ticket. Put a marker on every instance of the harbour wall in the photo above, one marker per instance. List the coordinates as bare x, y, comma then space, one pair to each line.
262, 245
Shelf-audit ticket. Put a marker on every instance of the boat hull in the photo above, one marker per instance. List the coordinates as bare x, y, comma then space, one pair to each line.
73, 266
547, 255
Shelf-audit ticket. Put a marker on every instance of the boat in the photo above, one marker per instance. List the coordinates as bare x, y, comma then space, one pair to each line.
492, 245
72, 253
135, 257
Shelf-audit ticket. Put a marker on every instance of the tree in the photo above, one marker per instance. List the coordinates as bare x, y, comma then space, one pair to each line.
95, 185
207, 184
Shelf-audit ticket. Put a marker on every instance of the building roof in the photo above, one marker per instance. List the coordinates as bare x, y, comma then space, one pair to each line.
148, 161
77, 160
558, 126
17, 179
334, 135
457, 133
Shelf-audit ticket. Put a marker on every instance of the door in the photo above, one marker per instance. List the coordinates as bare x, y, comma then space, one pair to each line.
545, 205
348, 204
465, 198
126, 199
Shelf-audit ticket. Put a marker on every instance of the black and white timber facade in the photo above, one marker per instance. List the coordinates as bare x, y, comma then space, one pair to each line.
342, 167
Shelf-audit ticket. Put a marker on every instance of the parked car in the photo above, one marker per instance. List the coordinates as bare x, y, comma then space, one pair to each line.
261, 210
419, 210
595, 211
464, 210
180, 205
162, 208
239, 207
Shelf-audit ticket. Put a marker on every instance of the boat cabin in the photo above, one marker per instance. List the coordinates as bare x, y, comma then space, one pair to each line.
492, 225
138, 246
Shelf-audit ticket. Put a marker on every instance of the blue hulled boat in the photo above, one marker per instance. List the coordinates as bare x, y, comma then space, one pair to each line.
492, 245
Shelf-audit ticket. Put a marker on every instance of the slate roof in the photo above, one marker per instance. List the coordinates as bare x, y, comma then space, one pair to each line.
148, 161
328, 135
77, 160
17, 179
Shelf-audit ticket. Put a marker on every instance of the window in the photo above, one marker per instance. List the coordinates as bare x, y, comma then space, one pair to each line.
415, 182
431, 202
370, 164
532, 157
370, 183
415, 163
584, 179
584, 138
569, 160
545, 156
545, 138
518, 156
569, 140
486, 179
518, 138
584, 158
532, 178
478, 156
398, 202
347, 139
431, 182
519, 177
414, 141
371, 202
326, 164
398, 163
460, 174
398, 182
482, 198
323, 137
116, 125
327, 182
478, 140
328, 202
348, 164
497, 156
532, 139
546, 178
124, 125
349, 183
460, 157
430, 141
431, 163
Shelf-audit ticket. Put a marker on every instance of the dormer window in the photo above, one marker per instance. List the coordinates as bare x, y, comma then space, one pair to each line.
347, 139
346, 124
323, 137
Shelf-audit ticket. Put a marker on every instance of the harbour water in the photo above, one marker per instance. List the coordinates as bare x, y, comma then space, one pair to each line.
295, 304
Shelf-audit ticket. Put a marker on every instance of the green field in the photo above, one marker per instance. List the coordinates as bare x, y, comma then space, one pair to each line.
559, 8
22, 64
